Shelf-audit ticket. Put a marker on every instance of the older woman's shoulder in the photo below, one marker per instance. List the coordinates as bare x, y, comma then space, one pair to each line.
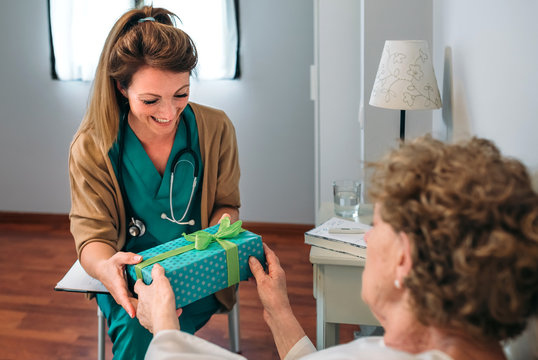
373, 348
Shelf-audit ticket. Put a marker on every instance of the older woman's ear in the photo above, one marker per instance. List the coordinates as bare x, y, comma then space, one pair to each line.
405, 261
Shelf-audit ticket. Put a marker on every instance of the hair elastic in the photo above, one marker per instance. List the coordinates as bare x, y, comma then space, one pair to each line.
149, 18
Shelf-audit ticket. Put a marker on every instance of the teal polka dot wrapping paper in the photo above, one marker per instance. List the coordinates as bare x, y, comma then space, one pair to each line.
195, 274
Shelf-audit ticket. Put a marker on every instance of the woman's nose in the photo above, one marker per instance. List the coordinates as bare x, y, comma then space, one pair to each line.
168, 111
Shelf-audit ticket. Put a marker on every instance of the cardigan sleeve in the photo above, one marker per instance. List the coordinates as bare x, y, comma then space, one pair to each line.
95, 206
227, 193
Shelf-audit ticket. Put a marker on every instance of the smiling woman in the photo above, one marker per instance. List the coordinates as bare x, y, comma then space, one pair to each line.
156, 99
78, 31
138, 132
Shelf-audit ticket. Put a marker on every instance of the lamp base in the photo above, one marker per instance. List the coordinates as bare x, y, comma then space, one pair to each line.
402, 125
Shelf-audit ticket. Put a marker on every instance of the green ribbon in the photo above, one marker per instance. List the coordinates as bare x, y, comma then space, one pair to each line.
200, 241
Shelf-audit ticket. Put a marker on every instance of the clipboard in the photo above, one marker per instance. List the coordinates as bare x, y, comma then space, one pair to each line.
78, 280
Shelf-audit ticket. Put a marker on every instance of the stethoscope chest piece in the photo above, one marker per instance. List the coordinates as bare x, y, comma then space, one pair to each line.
136, 227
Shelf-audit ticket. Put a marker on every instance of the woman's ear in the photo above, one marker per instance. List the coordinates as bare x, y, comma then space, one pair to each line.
121, 89
405, 261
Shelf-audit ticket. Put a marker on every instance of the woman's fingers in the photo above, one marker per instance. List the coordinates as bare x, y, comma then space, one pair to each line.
256, 268
139, 286
116, 283
273, 264
126, 258
270, 256
156, 302
122, 297
157, 271
225, 215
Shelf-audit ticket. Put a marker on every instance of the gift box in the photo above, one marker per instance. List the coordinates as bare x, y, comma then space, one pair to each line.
202, 263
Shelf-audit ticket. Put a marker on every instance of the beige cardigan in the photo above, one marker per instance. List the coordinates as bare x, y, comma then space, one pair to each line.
97, 210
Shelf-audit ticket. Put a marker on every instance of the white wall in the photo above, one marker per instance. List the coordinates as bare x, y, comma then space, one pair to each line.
485, 55
391, 20
269, 106
337, 76
347, 57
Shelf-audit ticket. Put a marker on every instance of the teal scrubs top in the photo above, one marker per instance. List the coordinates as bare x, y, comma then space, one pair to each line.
149, 196
149, 193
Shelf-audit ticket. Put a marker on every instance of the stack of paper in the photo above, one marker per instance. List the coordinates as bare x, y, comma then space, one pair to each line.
340, 235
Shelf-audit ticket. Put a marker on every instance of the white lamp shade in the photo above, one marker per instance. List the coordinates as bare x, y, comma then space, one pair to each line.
405, 79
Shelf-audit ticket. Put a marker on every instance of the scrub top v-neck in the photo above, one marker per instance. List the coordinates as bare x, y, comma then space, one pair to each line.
149, 192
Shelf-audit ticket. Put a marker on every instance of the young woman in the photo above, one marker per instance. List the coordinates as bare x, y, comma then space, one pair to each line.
147, 165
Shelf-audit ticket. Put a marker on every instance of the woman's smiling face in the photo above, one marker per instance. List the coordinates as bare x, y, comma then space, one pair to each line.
157, 99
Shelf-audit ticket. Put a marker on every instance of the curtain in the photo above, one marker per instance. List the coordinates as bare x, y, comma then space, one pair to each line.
79, 29
212, 25
78, 33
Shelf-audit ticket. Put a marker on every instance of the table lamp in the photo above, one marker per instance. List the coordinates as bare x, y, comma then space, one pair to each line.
405, 79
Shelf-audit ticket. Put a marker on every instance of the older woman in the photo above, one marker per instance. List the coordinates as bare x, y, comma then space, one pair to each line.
452, 262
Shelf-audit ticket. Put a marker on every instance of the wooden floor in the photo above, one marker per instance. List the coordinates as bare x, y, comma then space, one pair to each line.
37, 322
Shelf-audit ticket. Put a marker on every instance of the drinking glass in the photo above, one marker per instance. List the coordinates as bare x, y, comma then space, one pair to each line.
347, 198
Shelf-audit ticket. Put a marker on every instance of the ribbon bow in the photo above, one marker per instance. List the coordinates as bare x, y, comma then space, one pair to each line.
200, 241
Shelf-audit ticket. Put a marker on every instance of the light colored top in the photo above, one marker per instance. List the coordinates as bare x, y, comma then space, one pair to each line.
177, 345
372, 347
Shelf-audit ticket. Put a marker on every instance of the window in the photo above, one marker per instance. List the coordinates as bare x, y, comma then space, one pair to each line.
78, 30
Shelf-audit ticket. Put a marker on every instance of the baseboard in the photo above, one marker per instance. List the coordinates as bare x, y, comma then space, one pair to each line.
63, 220
33, 218
265, 227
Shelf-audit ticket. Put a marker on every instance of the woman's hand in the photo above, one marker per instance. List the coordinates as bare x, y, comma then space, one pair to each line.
225, 215
271, 285
277, 311
156, 303
111, 272
222, 212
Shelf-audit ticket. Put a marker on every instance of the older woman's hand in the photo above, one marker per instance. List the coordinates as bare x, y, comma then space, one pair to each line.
271, 285
156, 303
277, 311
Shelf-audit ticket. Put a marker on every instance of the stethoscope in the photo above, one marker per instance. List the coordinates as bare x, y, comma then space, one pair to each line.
137, 227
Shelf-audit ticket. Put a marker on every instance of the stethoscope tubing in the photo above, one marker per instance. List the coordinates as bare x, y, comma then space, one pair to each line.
188, 150
194, 182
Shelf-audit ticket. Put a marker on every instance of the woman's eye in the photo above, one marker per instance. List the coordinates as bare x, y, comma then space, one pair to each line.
149, 102
182, 95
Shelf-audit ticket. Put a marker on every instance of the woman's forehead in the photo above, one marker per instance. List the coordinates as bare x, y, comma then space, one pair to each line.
149, 79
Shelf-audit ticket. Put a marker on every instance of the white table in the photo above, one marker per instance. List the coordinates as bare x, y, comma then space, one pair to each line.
337, 287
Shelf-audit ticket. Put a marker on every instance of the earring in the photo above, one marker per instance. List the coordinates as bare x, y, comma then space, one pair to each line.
397, 284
